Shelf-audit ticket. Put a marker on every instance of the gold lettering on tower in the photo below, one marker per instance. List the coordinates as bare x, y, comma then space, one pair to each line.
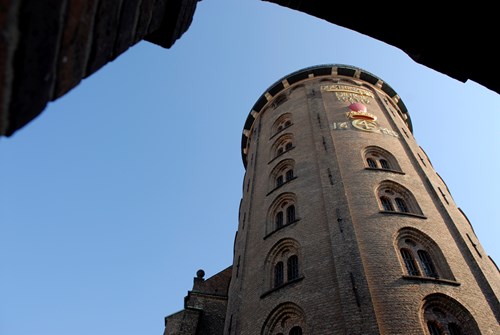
348, 93
346, 88
351, 97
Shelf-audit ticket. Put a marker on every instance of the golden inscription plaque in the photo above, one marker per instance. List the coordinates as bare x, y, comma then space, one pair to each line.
347, 93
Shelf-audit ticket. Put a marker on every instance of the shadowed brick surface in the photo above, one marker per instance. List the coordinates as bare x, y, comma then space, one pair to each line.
48, 47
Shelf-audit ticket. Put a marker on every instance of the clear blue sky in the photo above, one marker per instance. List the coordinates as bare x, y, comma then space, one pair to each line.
120, 191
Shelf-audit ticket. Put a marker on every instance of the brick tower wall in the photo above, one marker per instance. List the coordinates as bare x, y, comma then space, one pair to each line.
351, 275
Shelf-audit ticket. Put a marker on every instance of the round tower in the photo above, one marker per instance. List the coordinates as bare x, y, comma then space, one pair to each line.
344, 225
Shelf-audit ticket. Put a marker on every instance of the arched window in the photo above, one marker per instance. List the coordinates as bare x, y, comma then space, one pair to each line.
282, 212
286, 318
279, 220
283, 263
395, 198
427, 263
409, 261
282, 122
290, 214
295, 331
281, 174
401, 204
444, 315
384, 164
293, 267
279, 181
378, 158
386, 204
424, 266
454, 329
421, 256
283, 144
278, 274
433, 328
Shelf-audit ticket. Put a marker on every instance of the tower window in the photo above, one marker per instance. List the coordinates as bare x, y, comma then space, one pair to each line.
292, 270
281, 174
386, 204
283, 122
421, 256
454, 329
283, 263
293, 267
395, 198
409, 261
290, 214
283, 144
401, 205
279, 181
285, 319
279, 220
283, 212
278, 274
433, 328
295, 331
444, 315
427, 264
378, 158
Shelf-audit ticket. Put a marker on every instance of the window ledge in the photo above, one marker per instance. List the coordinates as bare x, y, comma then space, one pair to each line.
284, 183
385, 170
433, 280
404, 214
284, 152
296, 280
282, 227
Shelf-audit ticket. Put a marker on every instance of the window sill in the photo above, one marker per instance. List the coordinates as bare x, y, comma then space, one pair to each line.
385, 170
432, 280
280, 228
296, 280
277, 187
404, 214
